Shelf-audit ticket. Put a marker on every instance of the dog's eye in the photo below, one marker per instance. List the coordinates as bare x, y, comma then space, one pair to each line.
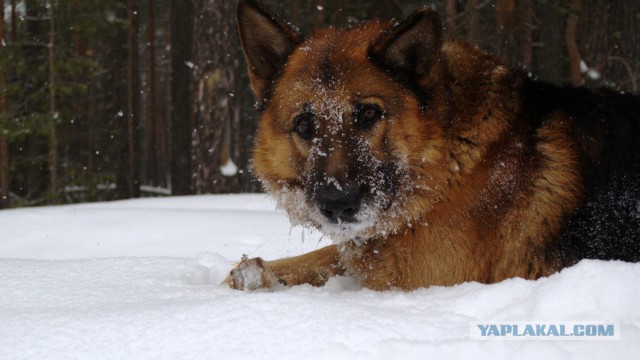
367, 115
305, 126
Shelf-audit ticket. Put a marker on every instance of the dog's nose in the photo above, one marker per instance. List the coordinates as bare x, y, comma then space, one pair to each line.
339, 205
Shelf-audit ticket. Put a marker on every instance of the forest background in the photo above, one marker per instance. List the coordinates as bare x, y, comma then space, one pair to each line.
115, 99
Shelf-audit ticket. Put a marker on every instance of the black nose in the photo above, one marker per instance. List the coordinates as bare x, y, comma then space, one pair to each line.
335, 204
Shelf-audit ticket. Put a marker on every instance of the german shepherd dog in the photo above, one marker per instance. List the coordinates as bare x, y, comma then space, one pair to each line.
430, 162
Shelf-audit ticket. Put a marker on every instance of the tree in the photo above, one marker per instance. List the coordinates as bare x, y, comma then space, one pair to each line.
133, 99
215, 69
570, 40
452, 15
125, 91
14, 21
549, 55
4, 144
514, 18
73, 119
53, 137
5, 180
33, 107
474, 30
181, 24
152, 155
611, 53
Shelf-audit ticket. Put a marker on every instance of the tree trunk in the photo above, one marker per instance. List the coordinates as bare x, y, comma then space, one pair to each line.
152, 157
549, 54
53, 137
14, 22
5, 180
133, 100
125, 90
214, 72
4, 144
164, 108
451, 26
513, 20
525, 32
78, 140
36, 35
181, 114
611, 53
474, 31
570, 41
116, 88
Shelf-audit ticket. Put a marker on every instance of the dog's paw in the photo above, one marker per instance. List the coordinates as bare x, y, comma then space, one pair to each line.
252, 274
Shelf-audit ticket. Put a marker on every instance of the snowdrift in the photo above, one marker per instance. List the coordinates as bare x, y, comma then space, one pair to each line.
140, 280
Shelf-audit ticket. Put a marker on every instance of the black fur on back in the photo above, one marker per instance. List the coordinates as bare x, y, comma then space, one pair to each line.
606, 125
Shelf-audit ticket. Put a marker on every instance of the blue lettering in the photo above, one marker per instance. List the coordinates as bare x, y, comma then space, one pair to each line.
608, 331
493, 330
505, 329
529, 331
515, 330
562, 331
483, 329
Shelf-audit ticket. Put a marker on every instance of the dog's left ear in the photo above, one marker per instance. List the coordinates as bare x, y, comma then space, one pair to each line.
412, 46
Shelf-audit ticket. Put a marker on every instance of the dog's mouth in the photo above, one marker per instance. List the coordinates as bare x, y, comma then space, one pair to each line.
357, 225
349, 213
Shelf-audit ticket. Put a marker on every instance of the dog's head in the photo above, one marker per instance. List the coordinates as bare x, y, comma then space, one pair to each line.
351, 120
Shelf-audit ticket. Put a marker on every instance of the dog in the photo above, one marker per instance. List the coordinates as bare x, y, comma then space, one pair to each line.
430, 162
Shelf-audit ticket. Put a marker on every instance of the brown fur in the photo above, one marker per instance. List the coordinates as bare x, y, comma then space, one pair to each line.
474, 188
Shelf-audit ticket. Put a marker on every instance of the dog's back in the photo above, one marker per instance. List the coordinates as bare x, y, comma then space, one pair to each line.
606, 125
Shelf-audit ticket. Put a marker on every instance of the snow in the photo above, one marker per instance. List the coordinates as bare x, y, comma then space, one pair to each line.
229, 168
140, 279
592, 73
583, 66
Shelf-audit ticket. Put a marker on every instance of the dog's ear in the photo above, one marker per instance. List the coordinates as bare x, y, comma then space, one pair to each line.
267, 42
412, 46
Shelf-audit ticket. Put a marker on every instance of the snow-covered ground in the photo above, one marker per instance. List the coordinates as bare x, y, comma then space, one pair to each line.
140, 280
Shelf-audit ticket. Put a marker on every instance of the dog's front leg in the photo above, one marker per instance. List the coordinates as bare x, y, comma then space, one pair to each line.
313, 268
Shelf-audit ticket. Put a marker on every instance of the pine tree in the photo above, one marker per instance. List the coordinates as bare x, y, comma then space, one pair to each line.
215, 73
181, 24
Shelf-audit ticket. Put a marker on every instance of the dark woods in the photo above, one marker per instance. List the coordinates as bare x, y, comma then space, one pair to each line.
113, 99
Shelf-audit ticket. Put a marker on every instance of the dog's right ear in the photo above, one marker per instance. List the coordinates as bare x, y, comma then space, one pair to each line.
267, 42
